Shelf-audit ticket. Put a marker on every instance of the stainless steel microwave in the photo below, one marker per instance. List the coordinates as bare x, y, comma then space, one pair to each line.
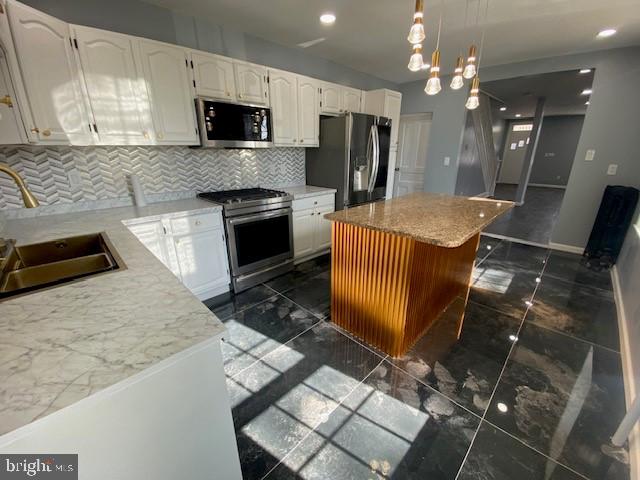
229, 125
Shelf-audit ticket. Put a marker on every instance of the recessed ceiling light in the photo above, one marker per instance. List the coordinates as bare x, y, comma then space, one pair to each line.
503, 109
584, 70
607, 32
587, 102
328, 18
518, 115
586, 91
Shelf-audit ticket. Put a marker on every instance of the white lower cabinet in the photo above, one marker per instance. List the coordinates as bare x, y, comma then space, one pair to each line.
311, 231
193, 247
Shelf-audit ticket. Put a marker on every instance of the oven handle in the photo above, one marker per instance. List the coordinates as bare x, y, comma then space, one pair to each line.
260, 216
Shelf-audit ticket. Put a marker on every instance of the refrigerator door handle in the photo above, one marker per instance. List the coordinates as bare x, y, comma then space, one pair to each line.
376, 158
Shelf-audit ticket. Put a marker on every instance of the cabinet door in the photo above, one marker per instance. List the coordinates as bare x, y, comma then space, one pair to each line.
151, 235
351, 100
169, 87
304, 228
308, 112
214, 76
11, 129
117, 97
284, 107
322, 236
51, 77
331, 98
251, 83
392, 103
202, 260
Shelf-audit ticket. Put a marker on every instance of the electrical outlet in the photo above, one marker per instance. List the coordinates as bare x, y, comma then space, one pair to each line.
591, 154
447, 161
75, 181
613, 169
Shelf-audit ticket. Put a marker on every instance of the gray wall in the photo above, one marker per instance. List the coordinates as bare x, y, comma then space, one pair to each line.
138, 18
556, 149
610, 127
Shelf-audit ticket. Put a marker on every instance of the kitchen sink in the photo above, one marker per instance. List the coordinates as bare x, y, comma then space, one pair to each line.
28, 268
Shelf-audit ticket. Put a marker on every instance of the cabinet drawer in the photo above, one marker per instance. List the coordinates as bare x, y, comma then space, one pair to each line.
195, 223
314, 202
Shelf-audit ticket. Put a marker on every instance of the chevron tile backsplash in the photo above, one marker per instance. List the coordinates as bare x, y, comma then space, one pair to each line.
58, 175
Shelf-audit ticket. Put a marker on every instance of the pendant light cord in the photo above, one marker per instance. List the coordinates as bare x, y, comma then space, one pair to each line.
440, 24
484, 30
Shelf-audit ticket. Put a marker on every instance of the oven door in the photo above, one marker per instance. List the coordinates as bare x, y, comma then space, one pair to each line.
259, 240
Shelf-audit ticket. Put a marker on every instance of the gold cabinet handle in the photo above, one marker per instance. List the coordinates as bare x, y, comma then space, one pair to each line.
198, 222
7, 101
46, 132
228, 94
160, 136
294, 140
239, 95
145, 134
302, 140
35, 130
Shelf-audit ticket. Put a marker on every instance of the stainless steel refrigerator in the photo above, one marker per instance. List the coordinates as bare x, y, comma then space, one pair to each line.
353, 158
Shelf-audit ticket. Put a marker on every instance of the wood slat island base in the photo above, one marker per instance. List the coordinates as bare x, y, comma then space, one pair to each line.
397, 265
388, 289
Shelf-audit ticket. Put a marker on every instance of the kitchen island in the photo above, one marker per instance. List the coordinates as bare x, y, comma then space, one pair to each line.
396, 265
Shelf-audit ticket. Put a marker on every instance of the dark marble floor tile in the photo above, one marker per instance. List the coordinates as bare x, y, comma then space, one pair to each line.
391, 426
486, 247
576, 309
572, 267
501, 286
464, 368
520, 256
280, 399
313, 294
302, 272
564, 398
258, 330
227, 304
497, 456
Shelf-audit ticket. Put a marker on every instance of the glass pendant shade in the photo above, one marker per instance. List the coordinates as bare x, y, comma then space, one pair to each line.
474, 101
457, 81
470, 69
416, 62
433, 84
416, 34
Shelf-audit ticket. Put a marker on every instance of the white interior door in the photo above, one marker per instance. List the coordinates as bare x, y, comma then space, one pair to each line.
413, 139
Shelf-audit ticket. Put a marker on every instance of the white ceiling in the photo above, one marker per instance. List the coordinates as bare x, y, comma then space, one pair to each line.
370, 35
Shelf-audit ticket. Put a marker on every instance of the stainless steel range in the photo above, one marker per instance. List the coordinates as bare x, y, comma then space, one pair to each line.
259, 228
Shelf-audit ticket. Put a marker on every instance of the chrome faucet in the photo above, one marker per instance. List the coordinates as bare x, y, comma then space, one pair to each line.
30, 201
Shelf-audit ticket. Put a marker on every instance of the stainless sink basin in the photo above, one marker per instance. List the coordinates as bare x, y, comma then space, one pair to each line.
34, 267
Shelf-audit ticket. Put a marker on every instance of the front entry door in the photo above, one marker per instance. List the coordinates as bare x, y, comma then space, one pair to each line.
413, 139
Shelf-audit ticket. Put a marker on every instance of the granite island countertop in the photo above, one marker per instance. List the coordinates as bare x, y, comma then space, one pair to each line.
438, 219
64, 344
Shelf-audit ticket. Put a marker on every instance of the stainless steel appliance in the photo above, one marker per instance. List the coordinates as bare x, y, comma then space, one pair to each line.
353, 158
259, 228
231, 125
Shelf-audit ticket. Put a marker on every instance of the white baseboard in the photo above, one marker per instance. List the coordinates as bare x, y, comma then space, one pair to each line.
515, 240
311, 256
548, 185
566, 248
630, 386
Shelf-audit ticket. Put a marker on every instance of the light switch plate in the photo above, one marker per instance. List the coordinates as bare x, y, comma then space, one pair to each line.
613, 169
591, 154
447, 161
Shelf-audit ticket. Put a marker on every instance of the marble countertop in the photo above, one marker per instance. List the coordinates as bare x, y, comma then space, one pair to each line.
305, 191
443, 220
61, 345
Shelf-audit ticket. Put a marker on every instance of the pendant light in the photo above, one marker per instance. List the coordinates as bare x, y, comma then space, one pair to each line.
416, 62
457, 81
474, 100
433, 84
416, 34
470, 69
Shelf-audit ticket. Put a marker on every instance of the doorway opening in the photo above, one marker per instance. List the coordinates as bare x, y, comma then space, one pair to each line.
413, 140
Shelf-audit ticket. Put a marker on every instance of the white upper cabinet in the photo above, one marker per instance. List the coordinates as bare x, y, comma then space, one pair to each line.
51, 77
251, 83
331, 98
114, 86
351, 100
308, 111
392, 103
284, 107
166, 73
214, 76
